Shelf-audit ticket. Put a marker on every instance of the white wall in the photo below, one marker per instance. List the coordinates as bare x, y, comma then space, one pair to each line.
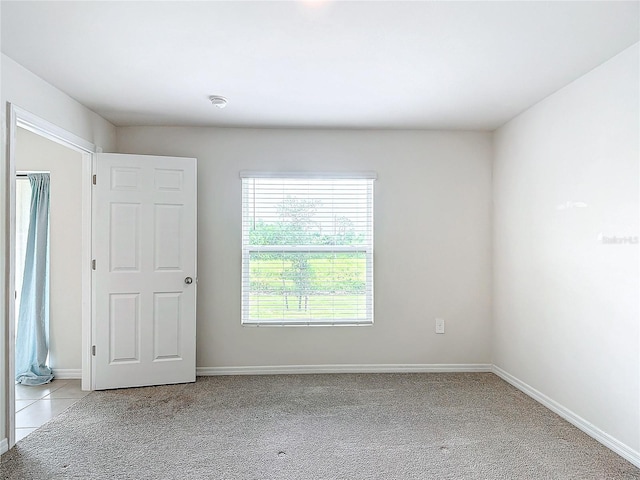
35, 153
432, 242
33, 94
565, 305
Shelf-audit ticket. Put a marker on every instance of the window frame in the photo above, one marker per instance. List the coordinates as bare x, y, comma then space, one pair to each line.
366, 249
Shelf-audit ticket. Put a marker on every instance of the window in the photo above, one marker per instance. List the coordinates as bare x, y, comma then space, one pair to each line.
307, 249
23, 209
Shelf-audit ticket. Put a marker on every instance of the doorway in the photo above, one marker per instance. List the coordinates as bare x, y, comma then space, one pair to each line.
168, 216
19, 119
36, 404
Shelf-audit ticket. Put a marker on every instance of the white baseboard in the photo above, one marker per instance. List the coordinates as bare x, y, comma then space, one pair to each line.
604, 438
67, 373
4, 446
384, 368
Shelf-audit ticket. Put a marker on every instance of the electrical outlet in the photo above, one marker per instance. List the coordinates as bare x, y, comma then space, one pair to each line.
439, 325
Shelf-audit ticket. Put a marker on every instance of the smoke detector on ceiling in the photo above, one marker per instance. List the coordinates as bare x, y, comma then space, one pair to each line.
218, 101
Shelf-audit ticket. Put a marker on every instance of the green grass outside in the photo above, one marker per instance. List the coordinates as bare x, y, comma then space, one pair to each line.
334, 285
345, 274
272, 307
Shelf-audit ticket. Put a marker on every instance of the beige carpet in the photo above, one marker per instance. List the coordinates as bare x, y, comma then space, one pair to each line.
367, 426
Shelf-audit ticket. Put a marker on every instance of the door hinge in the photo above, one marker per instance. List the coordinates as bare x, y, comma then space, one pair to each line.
93, 350
94, 179
93, 264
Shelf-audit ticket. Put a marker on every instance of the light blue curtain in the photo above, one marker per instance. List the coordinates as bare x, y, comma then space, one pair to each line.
32, 338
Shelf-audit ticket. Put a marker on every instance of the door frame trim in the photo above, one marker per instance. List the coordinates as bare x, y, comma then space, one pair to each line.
18, 117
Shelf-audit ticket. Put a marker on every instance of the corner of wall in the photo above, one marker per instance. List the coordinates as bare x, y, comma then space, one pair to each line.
492, 248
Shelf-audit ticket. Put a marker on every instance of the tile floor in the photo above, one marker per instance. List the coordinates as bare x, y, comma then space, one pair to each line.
36, 405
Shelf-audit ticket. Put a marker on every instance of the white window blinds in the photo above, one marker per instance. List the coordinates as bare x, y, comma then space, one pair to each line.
307, 249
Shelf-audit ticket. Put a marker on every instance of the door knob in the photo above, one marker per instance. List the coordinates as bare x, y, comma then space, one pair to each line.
188, 280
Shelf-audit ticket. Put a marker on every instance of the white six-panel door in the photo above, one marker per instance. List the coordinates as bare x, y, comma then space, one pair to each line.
144, 281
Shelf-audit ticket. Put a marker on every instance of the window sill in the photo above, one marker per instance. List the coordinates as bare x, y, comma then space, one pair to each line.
305, 323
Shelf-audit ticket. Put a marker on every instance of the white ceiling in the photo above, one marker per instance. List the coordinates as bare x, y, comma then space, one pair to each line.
394, 64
